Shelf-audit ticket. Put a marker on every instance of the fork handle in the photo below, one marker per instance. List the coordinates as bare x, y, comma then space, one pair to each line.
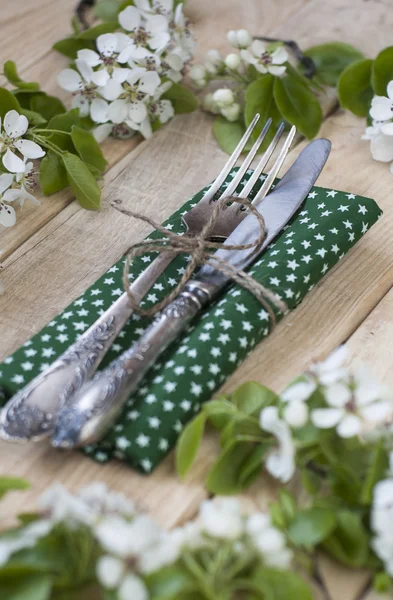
29, 414
92, 410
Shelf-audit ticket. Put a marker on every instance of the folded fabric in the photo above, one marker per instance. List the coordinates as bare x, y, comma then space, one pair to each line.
328, 224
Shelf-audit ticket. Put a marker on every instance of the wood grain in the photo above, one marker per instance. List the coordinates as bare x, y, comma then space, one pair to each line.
59, 250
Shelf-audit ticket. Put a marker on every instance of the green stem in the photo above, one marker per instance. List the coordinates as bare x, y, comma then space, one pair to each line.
46, 144
52, 131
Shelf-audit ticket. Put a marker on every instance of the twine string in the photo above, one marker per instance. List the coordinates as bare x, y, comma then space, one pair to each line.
198, 248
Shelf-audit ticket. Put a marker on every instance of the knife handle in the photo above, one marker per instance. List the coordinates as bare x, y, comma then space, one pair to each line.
29, 414
91, 411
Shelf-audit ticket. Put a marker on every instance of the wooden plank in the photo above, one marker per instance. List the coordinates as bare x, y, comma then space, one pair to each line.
28, 37
341, 582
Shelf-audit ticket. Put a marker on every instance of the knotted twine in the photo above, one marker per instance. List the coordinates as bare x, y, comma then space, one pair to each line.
197, 247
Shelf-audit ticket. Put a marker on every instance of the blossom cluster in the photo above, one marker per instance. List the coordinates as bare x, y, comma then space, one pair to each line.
121, 84
132, 546
380, 133
328, 396
253, 58
17, 178
382, 519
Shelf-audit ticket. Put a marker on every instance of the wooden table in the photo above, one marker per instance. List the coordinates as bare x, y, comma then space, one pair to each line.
56, 251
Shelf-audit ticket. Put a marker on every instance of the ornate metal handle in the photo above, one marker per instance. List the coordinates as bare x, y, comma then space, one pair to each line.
92, 410
29, 415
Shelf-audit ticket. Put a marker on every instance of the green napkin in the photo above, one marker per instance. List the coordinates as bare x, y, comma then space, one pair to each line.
328, 224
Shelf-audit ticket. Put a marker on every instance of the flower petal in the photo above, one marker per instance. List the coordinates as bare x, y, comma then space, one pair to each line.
165, 110
117, 111
156, 24
389, 90
386, 128
120, 74
6, 180
338, 394
89, 57
29, 149
144, 127
102, 132
376, 412
106, 44
7, 215
122, 41
279, 56
130, 18
15, 124
99, 111
381, 147
110, 571
81, 103
277, 71
149, 82
349, 426
299, 391
100, 78
13, 163
84, 69
69, 80
381, 108
112, 90
324, 418
137, 112
159, 40
258, 48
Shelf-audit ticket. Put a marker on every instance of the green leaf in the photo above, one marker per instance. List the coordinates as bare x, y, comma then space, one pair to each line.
382, 71
8, 484
71, 45
252, 465
310, 527
107, 10
332, 59
228, 133
188, 444
281, 585
35, 587
298, 105
183, 99
53, 176
83, 185
349, 541
259, 98
169, 582
94, 32
7, 102
379, 464
47, 106
64, 122
251, 397
382, 583
219, 412
225, 475
88, 148
354, 87
34, 118
11, 74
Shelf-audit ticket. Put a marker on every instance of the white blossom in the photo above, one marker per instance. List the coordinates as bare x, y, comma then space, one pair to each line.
269, 541
240, 38
222, 518
213, 61
25, 181
353, 405
12, 142
265, 60
183, 37
131, 106
333, 368
110, 571
232, 61
127, 539
382, 106
86, 85
108, 55
223, 97
151, 31
280, 462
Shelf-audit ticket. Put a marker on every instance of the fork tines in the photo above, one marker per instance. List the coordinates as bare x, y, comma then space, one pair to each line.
272, 174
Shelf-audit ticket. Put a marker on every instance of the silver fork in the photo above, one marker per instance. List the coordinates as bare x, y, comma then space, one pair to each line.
30, 414
93, 409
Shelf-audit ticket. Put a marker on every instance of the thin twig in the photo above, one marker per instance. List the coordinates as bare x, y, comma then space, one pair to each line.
306, 61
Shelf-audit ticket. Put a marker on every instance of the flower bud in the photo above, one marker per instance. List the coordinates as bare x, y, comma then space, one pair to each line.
296, 413
232, 61
198, 73
231, 112
209, 105
224, 97
213, 62
240, 38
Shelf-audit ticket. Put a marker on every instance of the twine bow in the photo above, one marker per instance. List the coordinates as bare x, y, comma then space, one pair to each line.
197, 247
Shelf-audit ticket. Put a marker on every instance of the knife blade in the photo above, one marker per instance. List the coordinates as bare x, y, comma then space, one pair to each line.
90, 413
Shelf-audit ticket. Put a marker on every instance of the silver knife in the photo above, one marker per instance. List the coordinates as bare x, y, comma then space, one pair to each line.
91, 411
